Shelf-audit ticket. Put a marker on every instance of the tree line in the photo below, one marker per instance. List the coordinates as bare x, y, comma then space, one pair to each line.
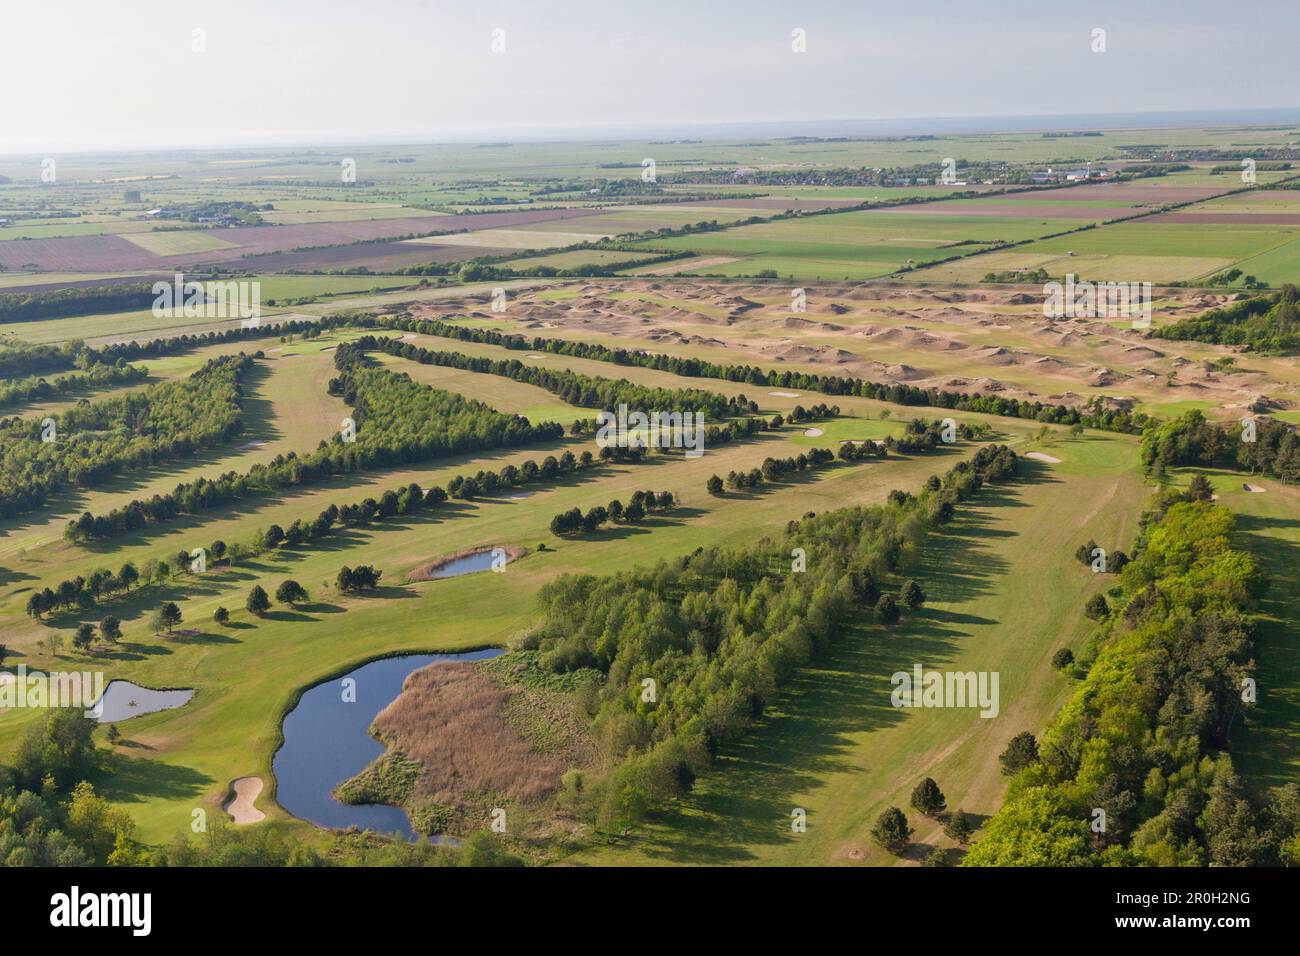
694, 650
772, 469
398, 421
96, 441
584, 391
642, 503
1136, 769
38, 388
60, 303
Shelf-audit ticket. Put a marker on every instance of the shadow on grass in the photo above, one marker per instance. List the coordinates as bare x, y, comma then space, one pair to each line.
133, 779
811, 733
1269, 739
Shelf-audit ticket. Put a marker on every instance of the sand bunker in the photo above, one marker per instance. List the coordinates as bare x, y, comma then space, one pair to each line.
785, 394
251, 444
240, 805
1042, 456
1255, 488
813, 432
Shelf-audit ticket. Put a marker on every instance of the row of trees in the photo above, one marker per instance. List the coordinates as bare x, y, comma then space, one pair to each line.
722, 631
408, 499
1094, 414
585, 391
398, 421
642, 503
772, 469
95, 441
81, 592
38, 388
168, 614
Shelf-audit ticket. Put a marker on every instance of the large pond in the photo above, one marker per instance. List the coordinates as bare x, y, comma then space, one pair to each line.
327, 740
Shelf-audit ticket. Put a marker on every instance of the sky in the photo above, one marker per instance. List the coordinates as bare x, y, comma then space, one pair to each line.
184, 73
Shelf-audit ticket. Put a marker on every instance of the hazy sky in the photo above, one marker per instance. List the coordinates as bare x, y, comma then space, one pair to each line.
90, 73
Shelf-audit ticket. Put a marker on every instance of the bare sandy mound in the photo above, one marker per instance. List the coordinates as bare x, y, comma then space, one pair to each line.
240, 804
1043, 456
813, 432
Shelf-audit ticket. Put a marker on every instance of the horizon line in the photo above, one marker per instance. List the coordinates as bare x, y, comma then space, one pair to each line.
570, 132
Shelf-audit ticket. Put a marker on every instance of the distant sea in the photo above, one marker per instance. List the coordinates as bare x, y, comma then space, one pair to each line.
919, 126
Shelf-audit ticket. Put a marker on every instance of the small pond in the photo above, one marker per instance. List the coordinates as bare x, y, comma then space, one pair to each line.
122, 700
470, 563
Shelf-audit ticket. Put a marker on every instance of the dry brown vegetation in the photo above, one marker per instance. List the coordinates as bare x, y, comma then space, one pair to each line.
471, 736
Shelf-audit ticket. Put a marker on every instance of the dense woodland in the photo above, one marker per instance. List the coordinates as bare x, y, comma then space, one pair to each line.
1193, 440
1266, 323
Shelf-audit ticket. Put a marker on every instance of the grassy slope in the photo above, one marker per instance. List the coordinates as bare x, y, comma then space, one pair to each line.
1005, 593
